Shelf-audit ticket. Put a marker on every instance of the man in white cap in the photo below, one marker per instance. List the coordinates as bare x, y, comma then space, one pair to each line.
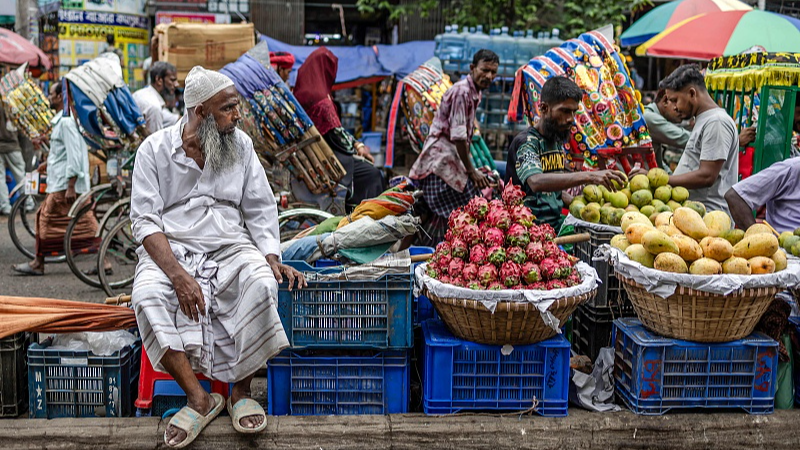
205, 292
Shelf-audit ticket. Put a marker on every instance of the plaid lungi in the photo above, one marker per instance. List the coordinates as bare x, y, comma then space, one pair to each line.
439, 200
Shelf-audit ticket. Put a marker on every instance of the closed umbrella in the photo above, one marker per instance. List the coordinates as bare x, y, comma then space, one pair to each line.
672, 13
724, 34
15, 50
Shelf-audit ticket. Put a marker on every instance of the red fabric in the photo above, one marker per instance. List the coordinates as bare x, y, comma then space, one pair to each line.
283, 60
16, 50
313, 87
746, 162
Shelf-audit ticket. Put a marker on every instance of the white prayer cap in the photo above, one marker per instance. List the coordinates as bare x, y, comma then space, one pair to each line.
202, 84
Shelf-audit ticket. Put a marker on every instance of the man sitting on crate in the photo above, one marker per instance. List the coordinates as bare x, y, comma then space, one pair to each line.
205, 292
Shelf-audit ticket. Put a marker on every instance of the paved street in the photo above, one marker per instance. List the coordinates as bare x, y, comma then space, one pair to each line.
58, 282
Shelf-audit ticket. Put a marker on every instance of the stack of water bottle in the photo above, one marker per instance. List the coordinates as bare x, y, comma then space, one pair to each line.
456, 50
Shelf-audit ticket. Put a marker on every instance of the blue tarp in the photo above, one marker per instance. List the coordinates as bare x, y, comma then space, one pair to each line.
360, 62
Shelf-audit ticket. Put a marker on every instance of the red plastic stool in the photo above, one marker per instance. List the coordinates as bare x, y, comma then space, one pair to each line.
148, 377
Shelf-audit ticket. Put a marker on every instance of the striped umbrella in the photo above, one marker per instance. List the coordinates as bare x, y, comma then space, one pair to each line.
724, 34
671, 13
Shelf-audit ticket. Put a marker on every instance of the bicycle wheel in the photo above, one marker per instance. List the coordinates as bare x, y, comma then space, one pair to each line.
22, 226
118, 211
119, 249
293, 221
82, 253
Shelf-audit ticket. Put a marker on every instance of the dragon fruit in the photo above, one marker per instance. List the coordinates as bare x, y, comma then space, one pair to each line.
574, 279
448, 235
496, 286
443, 248
496, 205
566, 266
475, 286
516, 254
551, 250
499, 218
493, 236
554, 268
510, 273
548, 233
535, 252
518, 235
458, 220
530, 273
538, 286
513, 195
497, 255
445, 279
471, 234
457, 281
458, 249
556, 284
470, 272
442, 262
522, 215
433, 272
487, 274
478, 207
477, 254
456, 267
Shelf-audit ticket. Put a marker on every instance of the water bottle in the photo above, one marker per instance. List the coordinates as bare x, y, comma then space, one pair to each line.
477, 41
507, 52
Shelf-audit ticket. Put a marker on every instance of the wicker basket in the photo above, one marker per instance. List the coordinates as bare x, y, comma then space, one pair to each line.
700, 316
515, 323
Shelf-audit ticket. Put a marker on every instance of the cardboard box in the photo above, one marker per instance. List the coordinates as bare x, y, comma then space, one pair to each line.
209, 45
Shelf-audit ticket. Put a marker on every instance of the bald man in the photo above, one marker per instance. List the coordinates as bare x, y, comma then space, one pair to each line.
206, 287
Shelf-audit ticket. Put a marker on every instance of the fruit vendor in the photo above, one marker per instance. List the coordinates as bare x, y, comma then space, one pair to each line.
536, 156
669, 138
282, 62
206, 286
444, 170
152, 100
776, 187
67, 169
313, 88
710, 162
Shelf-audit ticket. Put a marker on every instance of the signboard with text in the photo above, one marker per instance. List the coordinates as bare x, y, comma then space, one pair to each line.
167, 17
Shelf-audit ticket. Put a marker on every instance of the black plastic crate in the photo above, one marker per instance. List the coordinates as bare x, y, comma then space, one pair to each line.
591, 328
14, 375
610, 292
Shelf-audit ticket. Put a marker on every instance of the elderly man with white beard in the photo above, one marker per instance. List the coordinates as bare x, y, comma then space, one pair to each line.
205, 292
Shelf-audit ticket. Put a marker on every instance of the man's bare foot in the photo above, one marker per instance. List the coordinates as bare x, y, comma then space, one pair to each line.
203, 406
246, 421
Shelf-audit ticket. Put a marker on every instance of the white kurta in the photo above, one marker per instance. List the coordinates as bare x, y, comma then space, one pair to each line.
153, 108
220, 227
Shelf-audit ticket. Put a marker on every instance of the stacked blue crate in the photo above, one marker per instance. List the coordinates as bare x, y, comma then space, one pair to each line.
654, 374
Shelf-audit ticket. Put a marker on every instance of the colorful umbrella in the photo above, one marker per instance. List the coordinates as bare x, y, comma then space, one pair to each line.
14, 49
672, 13
724, 34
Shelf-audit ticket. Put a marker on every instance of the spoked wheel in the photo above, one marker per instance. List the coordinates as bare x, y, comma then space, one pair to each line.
82, 251
22, 227
118, 249
294, 221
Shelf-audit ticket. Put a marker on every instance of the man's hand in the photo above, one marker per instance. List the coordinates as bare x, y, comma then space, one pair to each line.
363, 151
70, 196
605, 177
282, 270
481, 181
190, 296
42, 167
747, 136
639, 171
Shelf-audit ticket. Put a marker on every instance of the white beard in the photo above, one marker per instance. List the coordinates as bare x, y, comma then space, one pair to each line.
220, 151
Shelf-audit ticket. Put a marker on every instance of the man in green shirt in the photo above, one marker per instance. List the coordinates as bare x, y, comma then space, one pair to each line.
669, 138
536, 156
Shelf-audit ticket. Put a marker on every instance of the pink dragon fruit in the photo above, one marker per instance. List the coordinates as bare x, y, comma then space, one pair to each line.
458, 281
554, 268
493, 236
499, 218
470, 272
471, 234
442, 262
530, 273
566, 267
516, 254
497, 255
513, 195
551, 250
496, 205
517, 235
443, 248
496, 286
478, 207
458, 220
535, 252
477, 254
449, 236
432, 271
458, 248
487, 274
456, 267
538, 286
522, 215
555, 284
510, 273
548, 233
475, 286
574, 279
446, 279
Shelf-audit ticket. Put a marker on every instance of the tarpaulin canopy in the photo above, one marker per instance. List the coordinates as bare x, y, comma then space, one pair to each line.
16, 50
362, 65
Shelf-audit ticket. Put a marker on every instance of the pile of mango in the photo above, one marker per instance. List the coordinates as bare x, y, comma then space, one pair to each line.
648, 194
790, 241
685, 241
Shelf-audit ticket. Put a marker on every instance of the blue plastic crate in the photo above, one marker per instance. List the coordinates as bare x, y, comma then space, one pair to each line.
465, 376
654, 374
795, 322
352, 314
66, 383
369, 382
423, 310
372, 139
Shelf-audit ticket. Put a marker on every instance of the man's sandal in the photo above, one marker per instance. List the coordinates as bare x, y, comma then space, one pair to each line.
192, 422
246, 407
